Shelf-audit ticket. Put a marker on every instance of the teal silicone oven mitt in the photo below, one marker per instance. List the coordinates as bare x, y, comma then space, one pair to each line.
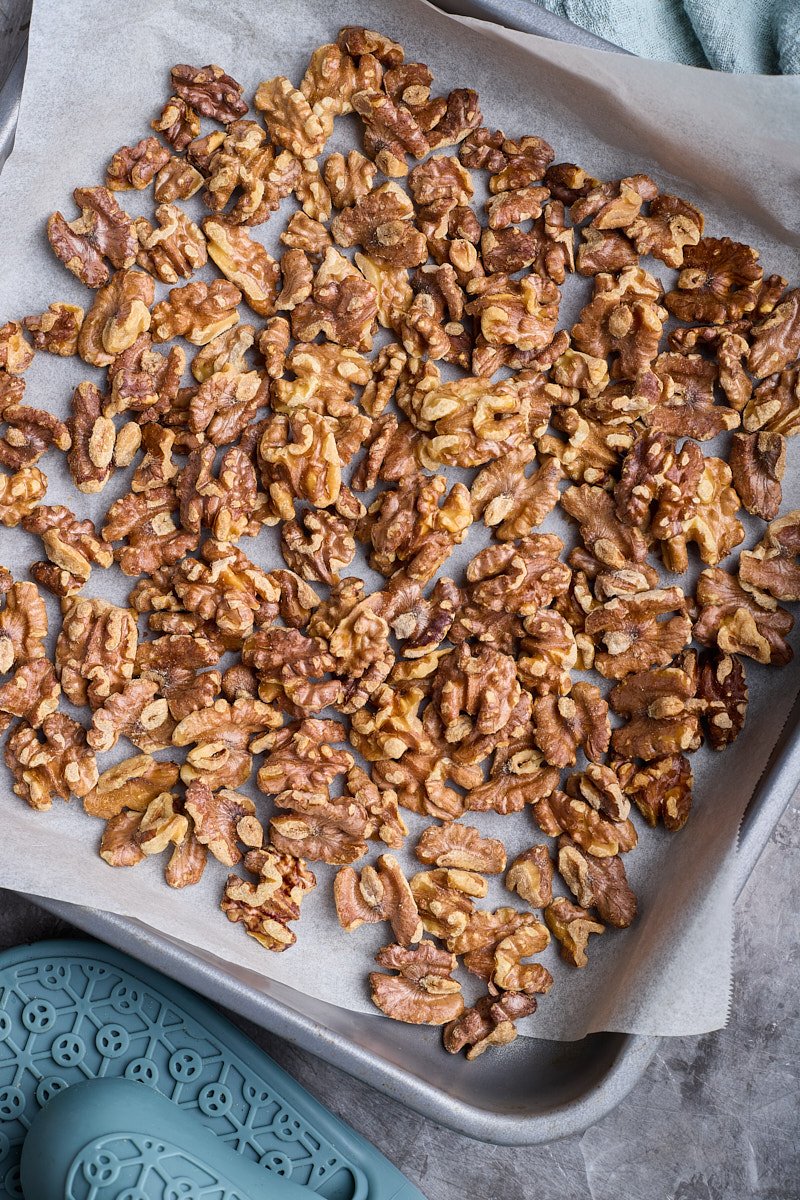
76, 1011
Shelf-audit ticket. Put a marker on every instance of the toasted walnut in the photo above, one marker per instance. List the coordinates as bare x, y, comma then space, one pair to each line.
671, 225
490, 1022
519, 578
559, 813
291, 669
775, 404
565, 723
120, 313
96, 650
547, 653
662, 716
614, 543
331, 74
593, 450
393, 728
602, 250
52, 761
133, 784
32, 693
476, 422
302, 757
209, 91
461, 847
510, 973
634, 635
198, 312
177, 180
301, 461
723, 689
310, 236
381, 222
23, 626
358, 41
143, 382
57, 329
686, 407
103, 231
342, 305
16, 354
173, 251
475, 693
662, 790
416, 524
521, 313
225, 587
222, 820
383, 815
244, 262
718, 282
72, 546
519, 775
423, 992
445, 899
623, 321
29, 433
243, 163
220, 737
348, 179
319, 547
531, 876
265, 908
178, 122
772, 567
20, 493
135, 166
739, 622
379, 893
290, 119
600, 787
598, 883
758, 462
325, 378
173, 661
571, 926
775, 341
273, 343
391, 131
152, 537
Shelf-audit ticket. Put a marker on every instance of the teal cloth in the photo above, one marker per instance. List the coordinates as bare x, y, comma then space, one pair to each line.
751, 36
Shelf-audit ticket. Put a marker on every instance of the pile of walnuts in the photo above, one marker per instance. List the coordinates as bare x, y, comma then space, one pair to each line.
439, 696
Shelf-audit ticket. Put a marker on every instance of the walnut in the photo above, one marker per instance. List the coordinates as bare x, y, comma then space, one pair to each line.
16, 353
177, 180
119, 314
131, 837
521, 313
600, 787
423, 624
225, 587
593, 450
758, 462
416, 524
490, 1022
244, 262
445, 899
634, 635
302, 757
291, 669
178, 122
243, 163
739, 622
103, 231
604, 250
423, 992
23, 626
547, 653
381, 222
152, 538
383, 815
510, 973
718, 282
671, 225
133, 784
772, 567
564, 723
30, 432
476, 421
222, 820
95, 650
20, 493
51, 761
571, 926
518, 578
225, 504
198, 312
220, 737
775, 341
393, 728
662, 790
662, 716
420, 778
57, 329
475, 693
615, 204
273, 344
173, 661
319, 547
265, 908
292, 123
310, 236
379, 893
143, 381
460, 847
723, 689
613, 542
390, 132
358, 41
331, 75
342, 305
686, 407
598, 883
93, 435
559, 813
325, 378
623, 321
775, 404
301, 461
531, 876
209, 91
135, 166
173, 251
72, 546
32, 693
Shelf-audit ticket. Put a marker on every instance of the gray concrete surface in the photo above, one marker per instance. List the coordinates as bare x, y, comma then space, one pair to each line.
714, 1117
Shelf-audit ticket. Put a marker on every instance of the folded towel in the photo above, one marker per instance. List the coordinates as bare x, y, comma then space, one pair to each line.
751, 36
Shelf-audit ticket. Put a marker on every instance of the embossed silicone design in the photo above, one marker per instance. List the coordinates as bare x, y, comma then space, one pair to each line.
71, 1011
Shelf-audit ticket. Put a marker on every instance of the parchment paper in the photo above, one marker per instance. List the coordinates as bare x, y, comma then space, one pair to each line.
97, 74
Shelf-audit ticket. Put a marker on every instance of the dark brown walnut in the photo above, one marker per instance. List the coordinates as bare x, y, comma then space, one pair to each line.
209, 91
670, 226
564, 724
686, 407
198, 312
723, 689
593, 450
648, 472
379, 893
391, 131
31, 693
718, 282
508, 250
422, 624
615, 543
410, 85
384, 821
547, 653
638, 632
461, 847
331, 75
146, 522
461, 115
95, 650
342, 305
119, 315
175, 249
775, 404
133, 784
615, 203
71, 546
143, 381
244, 262
292, 669
600, 787
53, 761
177, 180
758, 462
423, 991
28, 434
599, 883
661, 712
568, 182
223, 820
420, 779
489, 1022
445, 899
661, 790
475, 693
559, 813
741, 622
513, 164
360, 42
103, 231
623, 321
416, 525
772, 566
603, 250
222, 407
531, 876
244, 168
393, 451
239, 681
317, 546
521, 313
775, 341
135, 166
219, 737
382, 224
226, 503
57, 329
266, 907
177, 122
513, 207
23, 626
518, 578
571, 926
697, 505
519, 775
320, 829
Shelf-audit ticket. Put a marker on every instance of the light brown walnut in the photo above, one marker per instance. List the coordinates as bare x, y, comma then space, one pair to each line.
423, 991
379, 893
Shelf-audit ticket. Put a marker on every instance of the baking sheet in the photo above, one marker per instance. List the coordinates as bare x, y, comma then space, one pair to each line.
90, 92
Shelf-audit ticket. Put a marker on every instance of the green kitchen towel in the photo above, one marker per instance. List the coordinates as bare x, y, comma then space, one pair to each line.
751, 36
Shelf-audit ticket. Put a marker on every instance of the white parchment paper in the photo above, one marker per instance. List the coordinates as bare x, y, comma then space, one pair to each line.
97, 74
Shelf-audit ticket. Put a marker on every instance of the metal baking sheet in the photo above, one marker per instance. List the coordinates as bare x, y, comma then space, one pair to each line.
574, 1084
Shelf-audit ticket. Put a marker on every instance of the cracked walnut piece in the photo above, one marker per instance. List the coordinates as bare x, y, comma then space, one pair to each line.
379, 893
423, 991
